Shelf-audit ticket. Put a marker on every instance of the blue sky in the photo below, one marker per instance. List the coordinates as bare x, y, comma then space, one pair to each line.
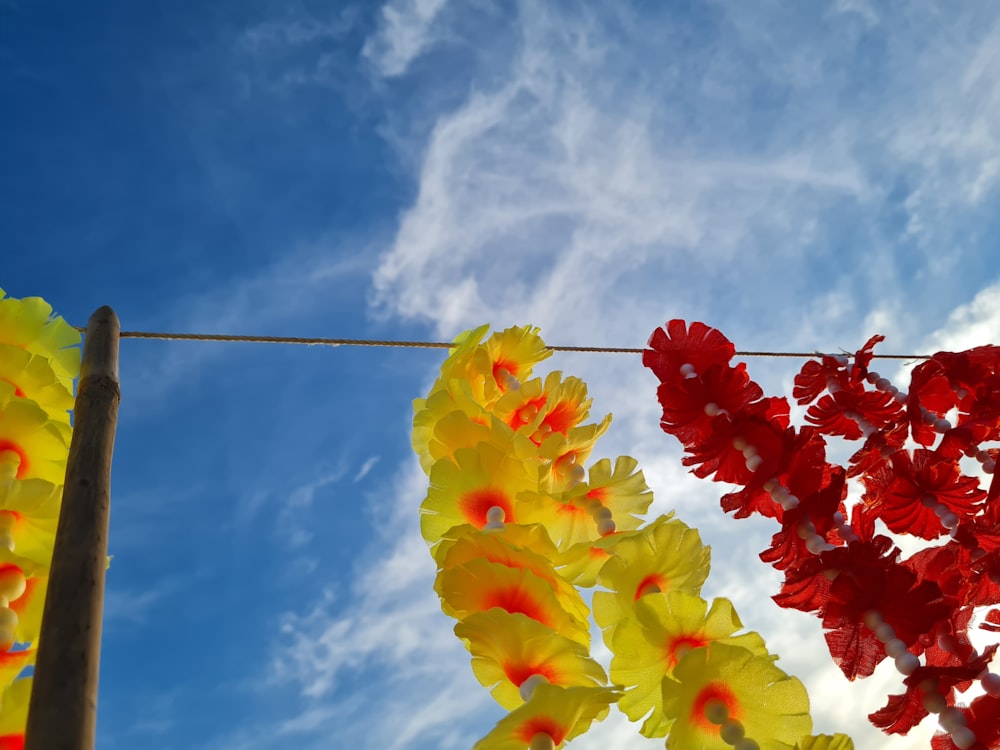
800, 175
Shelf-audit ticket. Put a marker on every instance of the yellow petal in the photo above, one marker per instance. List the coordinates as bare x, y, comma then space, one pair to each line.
646, 649
622, 490
33, 378
30, 324
516, 546
561, 713
772, 707
14, 710
31, 444
508, 648
480, 585
463, 491
666, 555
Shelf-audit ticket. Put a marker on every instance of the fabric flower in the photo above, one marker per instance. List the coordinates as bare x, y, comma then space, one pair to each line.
771, 707
508, 648
648, 648
463, 491
556, 713
29, 324
480, 585
677, 344
14, 714
31, 444
515, 546
33, 378
29, 514
667, 555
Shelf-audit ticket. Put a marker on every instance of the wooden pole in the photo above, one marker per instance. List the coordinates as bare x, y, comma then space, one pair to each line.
63, 710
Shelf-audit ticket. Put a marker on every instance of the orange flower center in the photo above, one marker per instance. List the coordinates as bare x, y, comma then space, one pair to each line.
516, 600
541, 725
713, 691
518, 673
561, 417
10, 445
474, 505
654, 583
677, 647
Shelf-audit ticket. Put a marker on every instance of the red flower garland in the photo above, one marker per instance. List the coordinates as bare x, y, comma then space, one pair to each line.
872, 602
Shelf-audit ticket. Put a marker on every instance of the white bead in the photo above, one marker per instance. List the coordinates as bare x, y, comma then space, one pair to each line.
882, 383
964, 738
541, 741
942, 426
495, 514
991, 683
527, 688
688, 371
872, 619
934, 703
989, 467
606, 527
907, 663
754, 462
716, 711
895, 648
872, 377
746, 744
949, 520
750, 451
603, 514
884, 632
951, 719
712, 409
739, 443
732, 732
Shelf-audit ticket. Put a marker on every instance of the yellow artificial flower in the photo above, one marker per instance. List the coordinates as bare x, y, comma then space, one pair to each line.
480, 585
667, 555
724, 689
32, 378
463, 491
622, 490
29, 514
28, 607
516, 546
429, 412
543, 408
553, 716
647, 649
825, 742
12, 663
14, 714
30, 325
31, 444
496, 366
509, 648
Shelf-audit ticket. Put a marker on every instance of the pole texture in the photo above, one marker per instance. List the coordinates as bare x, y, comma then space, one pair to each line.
63, 709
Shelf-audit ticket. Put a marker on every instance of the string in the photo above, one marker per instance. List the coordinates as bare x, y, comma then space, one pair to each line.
312, 341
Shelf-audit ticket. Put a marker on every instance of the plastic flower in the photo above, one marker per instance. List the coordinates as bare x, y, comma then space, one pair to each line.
14, 714
30, 325
715, 687
29, 513
33, 378
12, 663
31, 444
480, 585
516, 546
647, 649
553, 716
622, 490
463, 491
508, 649
667, 555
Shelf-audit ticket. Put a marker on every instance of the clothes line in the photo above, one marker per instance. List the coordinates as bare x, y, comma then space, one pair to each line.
312, 341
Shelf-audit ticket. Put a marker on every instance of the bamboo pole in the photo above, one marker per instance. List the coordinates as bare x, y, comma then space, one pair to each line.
63, 710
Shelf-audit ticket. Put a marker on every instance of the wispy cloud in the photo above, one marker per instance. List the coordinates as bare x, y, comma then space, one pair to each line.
405, 30
366, 467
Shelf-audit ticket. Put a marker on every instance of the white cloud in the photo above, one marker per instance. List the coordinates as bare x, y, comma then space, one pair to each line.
404, 31
366, 467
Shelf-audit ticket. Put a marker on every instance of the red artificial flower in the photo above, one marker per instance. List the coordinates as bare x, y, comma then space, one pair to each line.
676, 344
905, 711
983, 718
692, 406
908, 490
870, 579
